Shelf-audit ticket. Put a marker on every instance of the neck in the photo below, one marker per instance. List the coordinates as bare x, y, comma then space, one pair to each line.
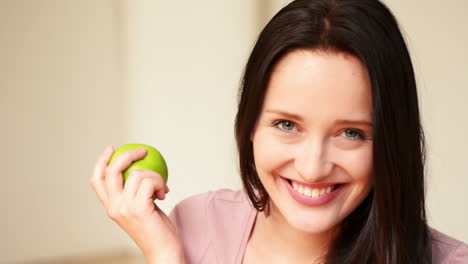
280, 241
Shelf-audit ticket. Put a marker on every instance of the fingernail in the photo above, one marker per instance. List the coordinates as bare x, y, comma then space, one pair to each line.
142, 150
109, 148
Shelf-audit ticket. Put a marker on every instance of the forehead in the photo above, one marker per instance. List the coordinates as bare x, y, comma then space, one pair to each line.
320, 84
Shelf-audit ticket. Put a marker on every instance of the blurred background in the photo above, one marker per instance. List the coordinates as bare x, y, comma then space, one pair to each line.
76, 76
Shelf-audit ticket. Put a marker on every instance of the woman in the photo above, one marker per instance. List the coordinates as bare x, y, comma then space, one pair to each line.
331, 155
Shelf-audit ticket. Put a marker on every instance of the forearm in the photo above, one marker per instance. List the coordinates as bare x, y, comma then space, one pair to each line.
173, 259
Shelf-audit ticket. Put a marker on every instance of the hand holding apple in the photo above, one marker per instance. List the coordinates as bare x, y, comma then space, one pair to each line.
131, 205
152, 161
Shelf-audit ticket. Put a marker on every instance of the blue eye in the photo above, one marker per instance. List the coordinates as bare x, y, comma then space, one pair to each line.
354, 134
285, 125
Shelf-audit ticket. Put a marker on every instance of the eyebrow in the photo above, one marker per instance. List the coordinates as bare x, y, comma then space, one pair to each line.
286, 114
337, 121
354, 122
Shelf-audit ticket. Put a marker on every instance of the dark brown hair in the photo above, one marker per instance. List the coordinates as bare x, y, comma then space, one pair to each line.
390, 225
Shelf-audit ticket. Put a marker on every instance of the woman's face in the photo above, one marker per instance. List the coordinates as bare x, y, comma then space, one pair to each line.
312, 143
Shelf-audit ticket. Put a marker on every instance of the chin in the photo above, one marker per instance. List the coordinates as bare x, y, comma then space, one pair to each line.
311, 222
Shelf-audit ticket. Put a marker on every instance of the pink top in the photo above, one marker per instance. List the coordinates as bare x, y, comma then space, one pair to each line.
215, 226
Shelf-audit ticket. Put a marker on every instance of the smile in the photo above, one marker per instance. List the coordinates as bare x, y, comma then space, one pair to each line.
312, 192
313, 195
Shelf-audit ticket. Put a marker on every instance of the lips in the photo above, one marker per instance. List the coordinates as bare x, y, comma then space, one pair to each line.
315, 194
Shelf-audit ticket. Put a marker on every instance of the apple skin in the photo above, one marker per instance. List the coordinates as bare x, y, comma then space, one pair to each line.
152, 161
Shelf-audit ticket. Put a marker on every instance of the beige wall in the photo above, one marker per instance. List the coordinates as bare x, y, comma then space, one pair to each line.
61, 102
78, 75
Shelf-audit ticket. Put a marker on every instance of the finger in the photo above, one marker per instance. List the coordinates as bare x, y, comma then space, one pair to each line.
160, 195
97, 180
151, 184
147, 191
114, 179
132, 184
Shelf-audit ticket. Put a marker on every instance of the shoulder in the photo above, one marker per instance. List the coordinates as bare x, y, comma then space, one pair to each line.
222, 203
447, 250
212, 223
205, 204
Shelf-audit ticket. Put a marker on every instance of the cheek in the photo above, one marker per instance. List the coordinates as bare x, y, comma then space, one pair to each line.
358, 164
269, 154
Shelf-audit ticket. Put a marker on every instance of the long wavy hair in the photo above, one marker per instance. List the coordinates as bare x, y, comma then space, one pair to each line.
390, 225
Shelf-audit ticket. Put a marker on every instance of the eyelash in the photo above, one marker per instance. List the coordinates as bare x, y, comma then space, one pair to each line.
360, 135
279, 122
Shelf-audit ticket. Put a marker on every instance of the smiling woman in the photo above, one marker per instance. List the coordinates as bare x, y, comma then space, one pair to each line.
330, 142
331, 155
315, 170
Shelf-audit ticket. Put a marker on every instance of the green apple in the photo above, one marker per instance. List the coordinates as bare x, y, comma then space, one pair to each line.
152, 161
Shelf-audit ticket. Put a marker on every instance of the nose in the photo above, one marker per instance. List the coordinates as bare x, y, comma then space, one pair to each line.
312, 161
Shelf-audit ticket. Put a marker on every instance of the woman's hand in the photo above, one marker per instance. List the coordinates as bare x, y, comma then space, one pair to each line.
132, 206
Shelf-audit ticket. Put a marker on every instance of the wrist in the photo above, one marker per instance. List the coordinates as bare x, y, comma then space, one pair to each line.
167, 259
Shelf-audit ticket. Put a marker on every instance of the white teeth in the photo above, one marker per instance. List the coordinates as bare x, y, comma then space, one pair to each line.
315, 193
311, 192
322, 192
